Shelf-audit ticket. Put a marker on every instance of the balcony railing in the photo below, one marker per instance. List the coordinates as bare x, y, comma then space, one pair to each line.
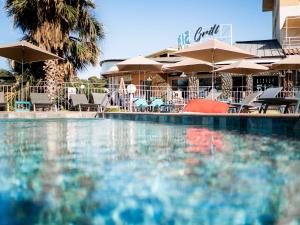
291, 42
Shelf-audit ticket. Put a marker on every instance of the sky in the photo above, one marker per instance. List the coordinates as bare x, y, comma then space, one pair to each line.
141, 27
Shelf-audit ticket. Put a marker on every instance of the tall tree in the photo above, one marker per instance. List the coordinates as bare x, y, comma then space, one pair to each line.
67, 28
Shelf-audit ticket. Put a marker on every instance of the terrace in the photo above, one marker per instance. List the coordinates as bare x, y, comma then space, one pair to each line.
120, 98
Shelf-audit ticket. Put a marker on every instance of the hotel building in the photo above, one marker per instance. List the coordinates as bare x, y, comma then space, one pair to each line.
285, 42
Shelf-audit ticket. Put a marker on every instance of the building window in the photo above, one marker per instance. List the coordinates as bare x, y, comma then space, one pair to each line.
239, 83
180, 85
206, 82
261, 83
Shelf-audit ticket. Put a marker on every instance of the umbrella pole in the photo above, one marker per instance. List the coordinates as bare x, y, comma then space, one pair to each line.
139, 83
22, 80
212, 77
22, 74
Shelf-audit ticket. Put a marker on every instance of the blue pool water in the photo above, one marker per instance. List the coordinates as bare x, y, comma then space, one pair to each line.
124, 172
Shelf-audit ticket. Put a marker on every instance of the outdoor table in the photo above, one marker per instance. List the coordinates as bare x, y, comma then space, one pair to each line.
266, 102
176, 107
167, 108
22, 106
179, 107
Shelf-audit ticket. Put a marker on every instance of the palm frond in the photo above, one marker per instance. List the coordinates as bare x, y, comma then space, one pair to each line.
65, 27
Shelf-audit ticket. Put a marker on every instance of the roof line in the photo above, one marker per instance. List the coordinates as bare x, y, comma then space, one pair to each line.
238, 42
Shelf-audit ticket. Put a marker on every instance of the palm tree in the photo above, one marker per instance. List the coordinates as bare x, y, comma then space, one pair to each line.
64, 27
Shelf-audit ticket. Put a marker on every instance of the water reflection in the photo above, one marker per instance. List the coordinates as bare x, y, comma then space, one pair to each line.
205, 141
125, 172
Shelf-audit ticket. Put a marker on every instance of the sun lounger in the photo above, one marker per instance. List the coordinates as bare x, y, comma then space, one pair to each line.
80, 102
270, 93
296, 103
269, 98
3, 105
246, 104
101, 100
40, 100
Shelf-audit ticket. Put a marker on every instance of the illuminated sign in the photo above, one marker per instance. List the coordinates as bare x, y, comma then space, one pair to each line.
222, 32
202, 33
184, 39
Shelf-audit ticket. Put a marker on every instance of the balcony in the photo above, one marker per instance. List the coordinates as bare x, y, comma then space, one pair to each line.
290, 33
291, 42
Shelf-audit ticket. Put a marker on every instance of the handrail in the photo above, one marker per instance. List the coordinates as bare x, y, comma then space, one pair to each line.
291, 42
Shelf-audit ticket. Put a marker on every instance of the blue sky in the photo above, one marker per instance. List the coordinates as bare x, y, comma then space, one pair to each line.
140, 27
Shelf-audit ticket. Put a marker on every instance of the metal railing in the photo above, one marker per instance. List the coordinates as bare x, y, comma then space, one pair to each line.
291, 42
120, 99
8, 97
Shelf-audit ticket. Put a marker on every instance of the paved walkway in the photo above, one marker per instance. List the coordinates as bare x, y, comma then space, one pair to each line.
46, 115
68, 114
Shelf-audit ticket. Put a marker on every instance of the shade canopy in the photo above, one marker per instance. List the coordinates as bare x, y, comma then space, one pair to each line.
114, 70
214, 51
140, 64
243, 67
189, 65
24, 52
290, 63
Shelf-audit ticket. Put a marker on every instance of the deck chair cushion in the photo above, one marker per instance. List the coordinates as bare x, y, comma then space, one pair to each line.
206, 106
100, 98
40, 98
79, 99
213, 95
271, 92
2, 97
2, 101
251, 98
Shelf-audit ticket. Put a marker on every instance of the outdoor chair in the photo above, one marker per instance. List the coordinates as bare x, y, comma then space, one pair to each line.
80, 102
101, 100
3, 105
213, 95
202, 92
140, 104
269, 98
177, 97
246, 104
296, 103
156, 104
176, 104
40, 100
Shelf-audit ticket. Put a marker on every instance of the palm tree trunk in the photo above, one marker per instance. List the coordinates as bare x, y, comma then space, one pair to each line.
249, 84
193, 87
54, 77
226, 85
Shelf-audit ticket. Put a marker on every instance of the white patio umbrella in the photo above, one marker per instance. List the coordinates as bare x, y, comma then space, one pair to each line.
214, 51
190, 65
290, 63
23, 52
140, 64
243, 67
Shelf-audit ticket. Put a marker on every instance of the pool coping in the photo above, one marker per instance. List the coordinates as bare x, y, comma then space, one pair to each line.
76, 114
47, 115
283, 125
207, 114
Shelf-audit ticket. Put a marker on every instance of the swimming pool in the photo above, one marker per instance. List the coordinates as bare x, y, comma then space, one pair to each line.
94, 171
